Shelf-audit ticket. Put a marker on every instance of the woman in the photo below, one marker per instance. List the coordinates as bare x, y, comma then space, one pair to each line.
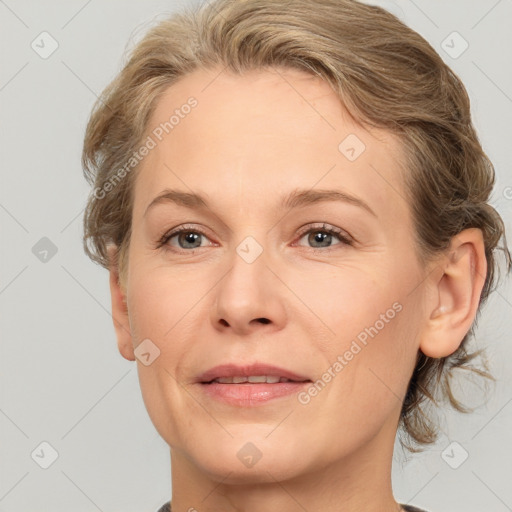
292, 203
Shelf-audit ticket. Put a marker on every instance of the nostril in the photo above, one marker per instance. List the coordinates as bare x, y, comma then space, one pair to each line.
263, 320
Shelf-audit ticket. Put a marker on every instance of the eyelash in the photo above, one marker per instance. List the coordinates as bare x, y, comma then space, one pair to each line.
343, 237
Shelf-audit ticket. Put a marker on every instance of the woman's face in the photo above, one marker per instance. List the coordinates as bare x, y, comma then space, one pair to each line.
300, 262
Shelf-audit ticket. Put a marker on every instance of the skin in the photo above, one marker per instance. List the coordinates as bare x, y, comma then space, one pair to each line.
251, 140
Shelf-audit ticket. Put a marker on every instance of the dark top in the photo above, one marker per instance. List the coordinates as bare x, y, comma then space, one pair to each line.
407, 508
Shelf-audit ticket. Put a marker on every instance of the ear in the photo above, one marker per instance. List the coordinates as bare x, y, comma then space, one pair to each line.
119, 308
456, 294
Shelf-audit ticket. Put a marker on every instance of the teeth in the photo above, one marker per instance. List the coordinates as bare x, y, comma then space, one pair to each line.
254, 378
227, 380
268, 379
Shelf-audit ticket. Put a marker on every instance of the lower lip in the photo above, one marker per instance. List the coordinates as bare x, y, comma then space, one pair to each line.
251, 394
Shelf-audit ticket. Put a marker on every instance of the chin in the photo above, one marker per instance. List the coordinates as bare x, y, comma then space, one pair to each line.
262, 472
250, 457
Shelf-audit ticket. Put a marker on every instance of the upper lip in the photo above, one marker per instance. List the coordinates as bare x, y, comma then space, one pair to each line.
233, 370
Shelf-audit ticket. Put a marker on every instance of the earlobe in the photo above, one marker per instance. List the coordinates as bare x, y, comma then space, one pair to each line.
120, 316
457, 294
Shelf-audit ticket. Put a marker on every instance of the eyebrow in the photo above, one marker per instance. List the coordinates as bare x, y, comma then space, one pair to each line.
295, 199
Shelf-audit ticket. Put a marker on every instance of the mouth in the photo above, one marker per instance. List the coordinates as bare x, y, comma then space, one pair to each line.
252, 373
252, 379
251, 385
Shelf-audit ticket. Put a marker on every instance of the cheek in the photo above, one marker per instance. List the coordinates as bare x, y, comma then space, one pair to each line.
363, 386
164, 309
162, 303
369, 342
352, 303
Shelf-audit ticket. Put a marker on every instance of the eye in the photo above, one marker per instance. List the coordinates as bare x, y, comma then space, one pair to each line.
186, 238
183, 238
323, 236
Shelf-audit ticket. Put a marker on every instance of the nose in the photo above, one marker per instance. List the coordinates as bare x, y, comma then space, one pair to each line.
250, 297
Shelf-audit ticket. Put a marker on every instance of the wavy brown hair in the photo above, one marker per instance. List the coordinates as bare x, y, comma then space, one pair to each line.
384, 73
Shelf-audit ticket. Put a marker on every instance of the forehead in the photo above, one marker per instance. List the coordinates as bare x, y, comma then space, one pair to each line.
266, 132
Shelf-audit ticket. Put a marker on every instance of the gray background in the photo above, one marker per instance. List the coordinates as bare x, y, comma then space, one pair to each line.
63, 381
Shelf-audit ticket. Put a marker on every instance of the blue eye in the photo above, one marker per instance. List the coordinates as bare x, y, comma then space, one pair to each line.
186, 238
324, 236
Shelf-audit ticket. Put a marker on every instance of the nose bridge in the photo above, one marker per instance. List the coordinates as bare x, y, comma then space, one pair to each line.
243, 283
247, 292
